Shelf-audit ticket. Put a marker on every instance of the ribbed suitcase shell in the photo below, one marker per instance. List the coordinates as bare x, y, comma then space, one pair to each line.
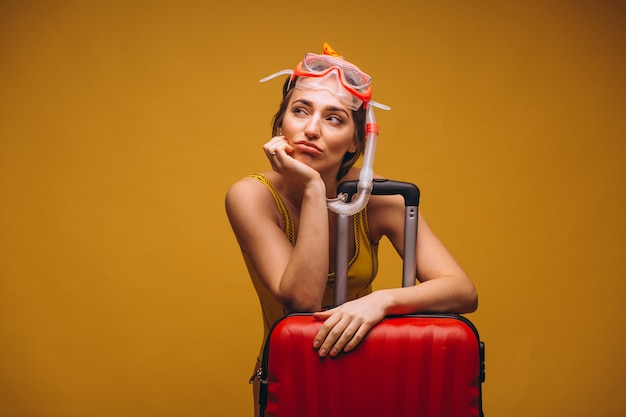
415, 365
418, 365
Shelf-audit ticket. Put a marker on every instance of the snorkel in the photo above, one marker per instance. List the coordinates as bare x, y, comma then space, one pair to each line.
340, 205
355, 91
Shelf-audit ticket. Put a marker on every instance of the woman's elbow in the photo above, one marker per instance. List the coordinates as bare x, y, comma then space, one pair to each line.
469, 299
304, 307
297, 304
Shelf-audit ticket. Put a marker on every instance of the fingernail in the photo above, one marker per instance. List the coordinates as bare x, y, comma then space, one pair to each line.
316, 344
334, 352
322, 352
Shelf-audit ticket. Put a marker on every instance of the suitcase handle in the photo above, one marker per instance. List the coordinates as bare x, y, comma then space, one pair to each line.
382, 186
411, 194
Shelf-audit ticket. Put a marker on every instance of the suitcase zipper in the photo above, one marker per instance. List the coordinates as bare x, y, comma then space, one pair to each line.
258, 374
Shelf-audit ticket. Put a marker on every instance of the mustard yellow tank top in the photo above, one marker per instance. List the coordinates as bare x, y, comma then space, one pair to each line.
362, 268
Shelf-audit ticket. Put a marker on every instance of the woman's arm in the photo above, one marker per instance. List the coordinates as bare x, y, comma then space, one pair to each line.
295, 275
444, 286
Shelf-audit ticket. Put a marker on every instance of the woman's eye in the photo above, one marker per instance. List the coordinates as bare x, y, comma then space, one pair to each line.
298, 110
335, 119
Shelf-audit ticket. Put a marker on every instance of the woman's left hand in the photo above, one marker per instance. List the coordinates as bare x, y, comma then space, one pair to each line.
346, 325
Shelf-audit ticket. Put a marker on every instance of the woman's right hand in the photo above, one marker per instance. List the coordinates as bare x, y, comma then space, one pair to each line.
280, 153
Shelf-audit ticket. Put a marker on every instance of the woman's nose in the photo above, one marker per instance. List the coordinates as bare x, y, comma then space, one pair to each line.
312, 128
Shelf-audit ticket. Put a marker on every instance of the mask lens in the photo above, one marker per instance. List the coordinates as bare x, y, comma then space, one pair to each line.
316, 64
351, 75
355, 78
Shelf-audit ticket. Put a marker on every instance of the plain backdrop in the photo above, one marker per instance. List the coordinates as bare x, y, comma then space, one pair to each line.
122, 124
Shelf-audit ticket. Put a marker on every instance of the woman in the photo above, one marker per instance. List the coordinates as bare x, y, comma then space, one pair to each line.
287, 234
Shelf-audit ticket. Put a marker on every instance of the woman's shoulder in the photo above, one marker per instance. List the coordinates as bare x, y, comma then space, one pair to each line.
252, 182
252, 188
255, 192
241, 186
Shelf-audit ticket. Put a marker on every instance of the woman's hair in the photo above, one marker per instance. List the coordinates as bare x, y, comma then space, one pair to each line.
359, 132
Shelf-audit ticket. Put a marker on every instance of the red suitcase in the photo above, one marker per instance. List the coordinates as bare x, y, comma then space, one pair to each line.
426, 365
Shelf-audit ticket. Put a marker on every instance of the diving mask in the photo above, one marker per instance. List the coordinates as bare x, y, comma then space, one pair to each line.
331, 72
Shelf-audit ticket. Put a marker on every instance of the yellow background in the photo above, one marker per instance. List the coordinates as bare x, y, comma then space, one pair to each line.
122, 291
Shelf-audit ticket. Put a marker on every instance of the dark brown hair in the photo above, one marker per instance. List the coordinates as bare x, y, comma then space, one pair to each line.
359, 132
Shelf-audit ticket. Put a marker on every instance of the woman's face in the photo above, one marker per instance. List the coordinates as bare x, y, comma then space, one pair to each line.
320, 129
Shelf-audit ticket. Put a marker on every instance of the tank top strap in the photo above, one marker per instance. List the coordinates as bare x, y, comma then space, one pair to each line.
287, 219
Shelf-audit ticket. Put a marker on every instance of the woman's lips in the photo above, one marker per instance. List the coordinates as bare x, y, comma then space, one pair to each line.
307, 147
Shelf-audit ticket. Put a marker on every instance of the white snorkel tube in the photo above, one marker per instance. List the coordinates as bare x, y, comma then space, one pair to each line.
340, 205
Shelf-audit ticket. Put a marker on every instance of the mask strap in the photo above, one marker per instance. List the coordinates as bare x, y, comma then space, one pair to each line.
378, 105
276, 74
